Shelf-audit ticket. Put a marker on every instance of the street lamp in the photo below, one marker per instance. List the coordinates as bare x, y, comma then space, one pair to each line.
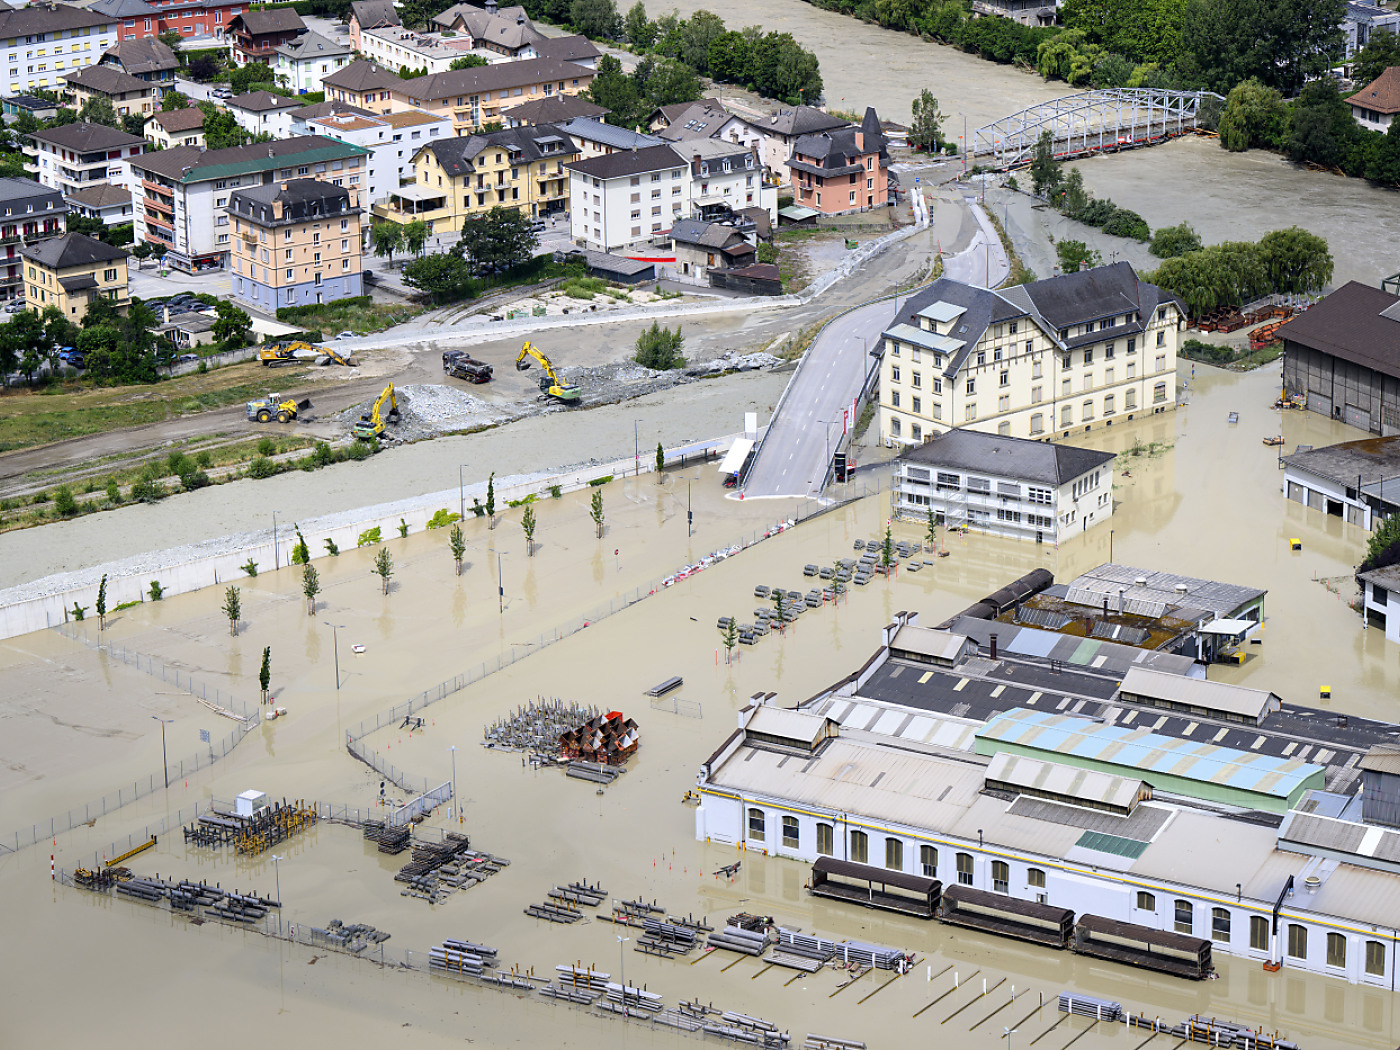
1110, 546
500, 585
335, 641
164, 761
622, 962
636, 449
462, 493
1007, 1033
277, 874
456, 808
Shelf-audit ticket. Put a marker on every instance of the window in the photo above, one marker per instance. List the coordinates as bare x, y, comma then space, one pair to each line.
1088, 355
928, 861
790, 832
1161, 362
1159, 393
894, 398
1006, 379
289, 273
1184, 917
825, 840
1375, 958
1297, 940
970, 413
1108, 351
971, 385
1001, 876
289, 255
1336, 950
109, 275
1161, 338
1066, 387
916, 379
965, 869
1220, 924
756, 824
1146, 901
1259, 933
1088, 411
860, 847
1130, 400
894, 854
1035, 877
1108, 405
1004, 403
1037, 423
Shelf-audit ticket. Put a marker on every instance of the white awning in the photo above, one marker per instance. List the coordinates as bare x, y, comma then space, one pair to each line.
415, 192
733, 461
1229, 628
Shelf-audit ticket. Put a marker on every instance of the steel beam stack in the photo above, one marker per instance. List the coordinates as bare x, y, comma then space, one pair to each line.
738, 939
1088, 1006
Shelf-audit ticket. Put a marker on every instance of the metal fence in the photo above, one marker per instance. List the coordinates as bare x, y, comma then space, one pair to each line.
116, 848
424, 803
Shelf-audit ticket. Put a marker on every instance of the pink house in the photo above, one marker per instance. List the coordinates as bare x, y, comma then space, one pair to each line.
842, 170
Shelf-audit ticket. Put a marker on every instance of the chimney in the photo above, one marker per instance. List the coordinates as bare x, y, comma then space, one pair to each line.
994, 645
270, 153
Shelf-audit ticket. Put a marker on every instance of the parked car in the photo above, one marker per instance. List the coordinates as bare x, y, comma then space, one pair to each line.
187, 357
346, 335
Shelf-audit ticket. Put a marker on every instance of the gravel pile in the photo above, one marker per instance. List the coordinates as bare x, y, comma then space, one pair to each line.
734, 362
429, 410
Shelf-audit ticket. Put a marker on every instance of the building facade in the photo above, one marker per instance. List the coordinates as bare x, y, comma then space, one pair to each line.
29, 213
365, 85
295, 242
144, 19
263, 113
392, 142
74, 156
505, 31
301, 63
70, 271
255, 35
176, 127
397, 47
776, 134
130, 96
370, 14
474, 97
111, 204
623, 201
148, 59
1355, 480
39, 44
1003, 485
843, 170
1037, 361
726, 178
1380, 600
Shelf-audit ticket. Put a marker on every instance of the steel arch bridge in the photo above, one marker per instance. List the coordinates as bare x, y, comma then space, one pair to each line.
1103, 121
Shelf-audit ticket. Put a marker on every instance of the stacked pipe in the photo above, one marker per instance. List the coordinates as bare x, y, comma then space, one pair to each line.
794, 942
147, 890
461, 957
555, 911
1088, 1006
593, 772
580, 893
828, 1042
742, 1028
578, 978
390, 839
570, 994
186, 896
666, 938
681, 1019
738, 939
869, 955
1230, 1033
633, 998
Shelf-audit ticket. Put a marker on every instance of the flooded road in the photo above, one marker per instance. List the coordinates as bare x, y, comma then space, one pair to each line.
1205, 502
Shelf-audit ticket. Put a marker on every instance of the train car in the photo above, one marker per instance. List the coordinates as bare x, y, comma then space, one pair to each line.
875, 887
1126, 942
1007, 916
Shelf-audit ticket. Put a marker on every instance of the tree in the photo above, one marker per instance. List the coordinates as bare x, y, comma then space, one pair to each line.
527, 525
597, 19
265, 674
384, 567
640, 30
616, 92
202, 68
301, 553
697, 33
1176, 240
1075, 256
491, 500
231, 325
932, 530
99, 110
172, 39
1254, 115
1380, 53
458, 545
233, 609
174, 100
220, 129
1295, 260
467, 62
596, 511
660, 348
443, 278
669, 82
660, 461
493, 243
926, 130
241, 79
310, 587
133, 124
731, 638
415, 236
24, 343
386, 237
887, 549
1284, 43
102, 604
1045, 173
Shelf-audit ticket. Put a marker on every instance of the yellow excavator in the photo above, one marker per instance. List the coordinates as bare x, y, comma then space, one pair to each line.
371, 424
552, 388
285, 353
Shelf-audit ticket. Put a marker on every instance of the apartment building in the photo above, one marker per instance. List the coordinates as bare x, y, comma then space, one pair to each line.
144, 19
181, 195
397, 47
370, 14
366, 85
101, 200
775, 135
38, 44
255, 35
726, 177
301, 63
507, 32
301, 118
474, 97
295, 242
594, 138
392, 141
842, 170
520, 168
263, 113
71, 271
145, 59
129, 95
73, 156
1038, 361
29, 213
176, 127
556, 109
622, 201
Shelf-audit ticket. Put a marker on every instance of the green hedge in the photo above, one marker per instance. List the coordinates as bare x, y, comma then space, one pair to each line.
296, 313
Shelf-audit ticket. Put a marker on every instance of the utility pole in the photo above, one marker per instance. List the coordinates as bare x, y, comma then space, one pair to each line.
335, 642
636, 450
622, 960
276, 563
165, 762
456, 807
461, 493
689, 514
277, 874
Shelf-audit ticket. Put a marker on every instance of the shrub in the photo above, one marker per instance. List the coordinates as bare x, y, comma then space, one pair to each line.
262, 467
1126, 223
1171, 241
554, 492
39, 498
443, 518
114, 493
63, 503
601, 481
403, 529
368, 537
250, 567
194, 479
322, 455
204, 460
660, 348
157, 591
178, 463
147, 488
359, 450
331, 548
267, 447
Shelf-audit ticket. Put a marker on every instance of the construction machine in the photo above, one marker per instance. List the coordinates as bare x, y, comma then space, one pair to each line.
287, 352
461, 365
326, 355
275, 406
371, 424
552, 388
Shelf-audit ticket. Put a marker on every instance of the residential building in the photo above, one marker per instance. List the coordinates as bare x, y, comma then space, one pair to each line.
507, 32
371, 14
843, 170
555, 109
1037, 360
398, 48
176, 127
130, 96
1380, 599
478, 96
192, 19
703, 246
1362, 21
72, 156
255, 35
623, 201
577, 49
664, 116
1026, 12
1006, 486
70, 37
1375, 105
263, 113
458, 177
778, 132
367, 85
295, 242
29, 213
148, 59
1342, 358
102, 200
189, 330
301, 63
301, 118
392, 140
699, 120
597, 139
181, 194
1355, 480
726, 178
70, 271
41, 109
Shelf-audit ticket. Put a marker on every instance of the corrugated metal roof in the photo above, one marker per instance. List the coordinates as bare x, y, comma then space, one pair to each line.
785, 722
1160, 587
1070, 782
1198, 692
900, 722
1383, 758
941, 645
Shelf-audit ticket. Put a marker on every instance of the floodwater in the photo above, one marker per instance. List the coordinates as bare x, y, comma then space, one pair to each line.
1207, 502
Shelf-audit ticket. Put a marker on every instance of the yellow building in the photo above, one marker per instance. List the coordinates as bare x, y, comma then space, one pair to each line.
295, 243
480, 96
71, 271
176, 127
520, 168
1042, 360
129, 95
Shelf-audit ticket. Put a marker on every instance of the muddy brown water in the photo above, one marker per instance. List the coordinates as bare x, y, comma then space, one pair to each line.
84, 968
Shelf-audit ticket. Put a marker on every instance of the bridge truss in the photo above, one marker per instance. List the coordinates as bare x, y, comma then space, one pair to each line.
1100, 121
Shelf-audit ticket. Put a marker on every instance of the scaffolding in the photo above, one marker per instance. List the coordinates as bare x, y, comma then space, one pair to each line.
1091, 122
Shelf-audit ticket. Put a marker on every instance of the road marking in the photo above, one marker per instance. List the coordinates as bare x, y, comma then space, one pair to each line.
1221, 736
925, 677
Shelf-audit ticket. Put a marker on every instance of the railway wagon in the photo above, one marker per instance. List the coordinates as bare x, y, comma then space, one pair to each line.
1126, 942
1007, 916
874, 887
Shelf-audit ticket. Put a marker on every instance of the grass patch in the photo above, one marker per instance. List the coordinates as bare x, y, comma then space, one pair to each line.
1020, 272
1229, 357
361, 318
583, 287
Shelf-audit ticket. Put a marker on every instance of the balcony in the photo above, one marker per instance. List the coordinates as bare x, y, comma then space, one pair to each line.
153, 220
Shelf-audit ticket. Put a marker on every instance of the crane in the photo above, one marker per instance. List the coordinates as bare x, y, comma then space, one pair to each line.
552, 388
371, 424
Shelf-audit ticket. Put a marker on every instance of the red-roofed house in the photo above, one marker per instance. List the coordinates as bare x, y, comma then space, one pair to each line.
1375, 105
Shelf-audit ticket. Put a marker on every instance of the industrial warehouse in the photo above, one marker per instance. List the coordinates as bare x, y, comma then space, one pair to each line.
1111, 801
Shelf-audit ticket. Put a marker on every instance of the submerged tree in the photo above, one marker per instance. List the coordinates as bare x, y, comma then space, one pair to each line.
310, 586
384, 567
102, 604
527, 525
458, 543
233, 609
265, 673
596, 511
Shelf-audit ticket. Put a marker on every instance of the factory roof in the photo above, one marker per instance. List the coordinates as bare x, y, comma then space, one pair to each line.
1069, 783
1215, 698
1158, 591
1007, 457
801, 727
925, 641
1375, 459
1356, 323
1100, 655
1383, 758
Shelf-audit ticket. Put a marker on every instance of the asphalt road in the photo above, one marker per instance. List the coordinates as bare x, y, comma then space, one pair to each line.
982, 263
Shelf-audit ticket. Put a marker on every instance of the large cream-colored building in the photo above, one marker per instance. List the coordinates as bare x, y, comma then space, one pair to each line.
1042, 360
69, 272
295, 243
480, 96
